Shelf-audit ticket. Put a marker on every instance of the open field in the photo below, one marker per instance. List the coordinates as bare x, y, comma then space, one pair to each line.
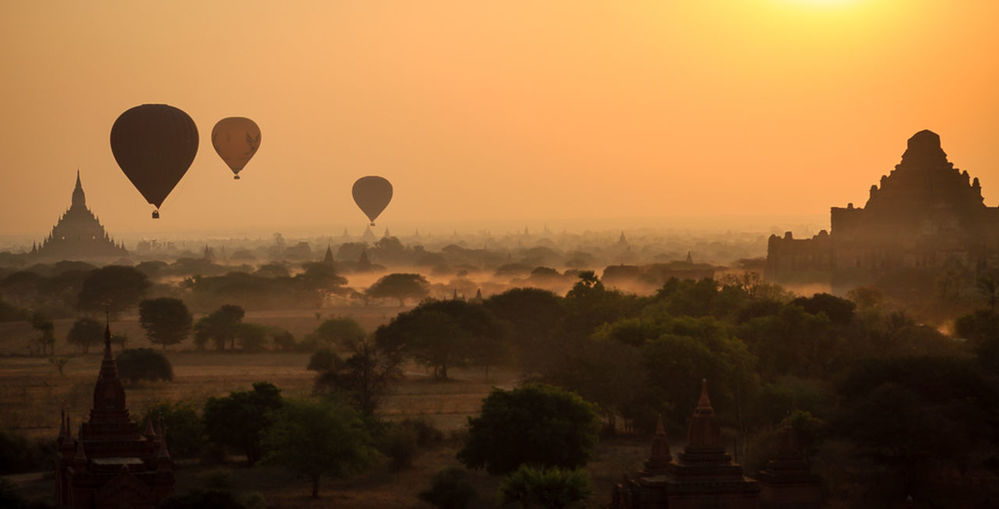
32, 393
15, 337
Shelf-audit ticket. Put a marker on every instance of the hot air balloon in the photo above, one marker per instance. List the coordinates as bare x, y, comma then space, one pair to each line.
154, 144
236, 139
372, 195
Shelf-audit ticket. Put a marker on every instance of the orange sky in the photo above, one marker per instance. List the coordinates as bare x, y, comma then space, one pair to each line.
487, 112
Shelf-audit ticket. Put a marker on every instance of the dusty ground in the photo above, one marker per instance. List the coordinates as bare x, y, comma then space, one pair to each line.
32, 393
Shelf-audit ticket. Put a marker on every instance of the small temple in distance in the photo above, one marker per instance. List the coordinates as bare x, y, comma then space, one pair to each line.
703, 475
78, 235
111, 463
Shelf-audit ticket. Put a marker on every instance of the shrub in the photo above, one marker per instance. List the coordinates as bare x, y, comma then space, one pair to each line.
533, 424
553, 488
449, 489
144, 364
18, 454
324, 360
185, 432
399, 444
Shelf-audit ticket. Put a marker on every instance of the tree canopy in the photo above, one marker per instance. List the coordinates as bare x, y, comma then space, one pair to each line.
166, 320
239, 419
533, 424
400, 286
316, 438
116, 288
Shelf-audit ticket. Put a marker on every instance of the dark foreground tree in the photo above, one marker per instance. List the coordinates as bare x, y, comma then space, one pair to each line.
85, 333
186, 432
239, 419
365, 377
916, 416
450, 489
166, 320
144, 364
114, 288
316, 438
551, 488
442, 334
534, 424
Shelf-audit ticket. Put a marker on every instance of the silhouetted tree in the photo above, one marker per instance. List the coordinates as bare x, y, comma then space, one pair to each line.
166, 320
533, 424
316, 438
114, 288
46, 337
85, 333
321, 279
534, 319
144, 364
400, 286
551, 488
221, 326
185, 431
342, 332
365, 377
915, 415
449, 489
441, 334
252, 337
239, 419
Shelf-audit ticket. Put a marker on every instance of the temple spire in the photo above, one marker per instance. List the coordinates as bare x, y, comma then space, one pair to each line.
107, 335
660, 456
704, 433
79, 199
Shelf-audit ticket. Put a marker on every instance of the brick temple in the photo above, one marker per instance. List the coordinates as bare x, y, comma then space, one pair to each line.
703, 475
111, 463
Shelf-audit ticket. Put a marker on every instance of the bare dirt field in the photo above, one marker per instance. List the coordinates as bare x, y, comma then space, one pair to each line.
32, 394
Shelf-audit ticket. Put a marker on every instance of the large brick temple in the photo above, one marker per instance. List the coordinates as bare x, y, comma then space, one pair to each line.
78, 235
112, 463
924, 216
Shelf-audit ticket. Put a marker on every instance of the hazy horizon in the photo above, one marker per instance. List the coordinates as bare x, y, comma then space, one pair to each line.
662, 114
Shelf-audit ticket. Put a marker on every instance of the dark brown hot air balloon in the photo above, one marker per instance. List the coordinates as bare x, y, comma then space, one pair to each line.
372, 195
236, 139
154, 144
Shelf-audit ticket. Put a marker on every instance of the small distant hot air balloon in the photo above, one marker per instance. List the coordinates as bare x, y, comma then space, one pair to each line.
154, 144
236, 139
372, 195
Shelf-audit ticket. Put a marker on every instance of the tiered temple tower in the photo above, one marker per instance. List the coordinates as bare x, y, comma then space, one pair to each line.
703, 475
78, 235
924, 215
111, 463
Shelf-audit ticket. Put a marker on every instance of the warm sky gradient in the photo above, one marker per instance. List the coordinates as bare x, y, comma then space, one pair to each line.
482, 112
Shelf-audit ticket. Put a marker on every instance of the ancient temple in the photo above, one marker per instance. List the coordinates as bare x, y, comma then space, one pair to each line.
78, 235
787, 482
111, 463
703, 475
926, 214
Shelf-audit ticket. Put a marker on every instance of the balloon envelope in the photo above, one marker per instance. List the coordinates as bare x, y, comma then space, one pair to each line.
372, 195
154, 144
236, 139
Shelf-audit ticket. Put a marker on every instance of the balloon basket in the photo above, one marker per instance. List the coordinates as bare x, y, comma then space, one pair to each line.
372, 223
235, 177
156, 214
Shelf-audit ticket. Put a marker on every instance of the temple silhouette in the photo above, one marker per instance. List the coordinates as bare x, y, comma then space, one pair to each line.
111, 463
925, 215
703, 475
78, 235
